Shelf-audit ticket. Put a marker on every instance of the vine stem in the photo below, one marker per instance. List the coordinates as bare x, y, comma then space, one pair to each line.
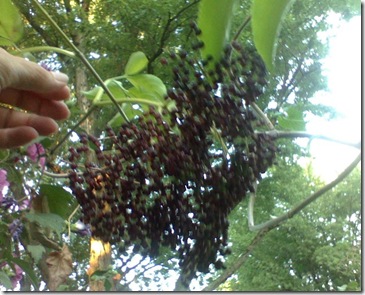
131, 100
69, 220
82, 57
44, 48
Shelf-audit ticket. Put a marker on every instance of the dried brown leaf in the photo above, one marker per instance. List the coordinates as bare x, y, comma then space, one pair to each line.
59, 267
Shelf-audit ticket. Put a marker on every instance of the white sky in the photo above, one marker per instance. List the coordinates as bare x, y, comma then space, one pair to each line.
343, 69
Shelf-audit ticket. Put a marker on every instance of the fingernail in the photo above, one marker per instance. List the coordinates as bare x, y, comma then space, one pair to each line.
61, 77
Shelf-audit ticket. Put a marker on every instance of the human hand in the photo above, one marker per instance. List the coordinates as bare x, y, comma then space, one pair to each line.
29, 87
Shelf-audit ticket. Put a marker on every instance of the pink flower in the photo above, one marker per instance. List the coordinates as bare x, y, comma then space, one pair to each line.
36, 153
17, 277
25, 204
3, 183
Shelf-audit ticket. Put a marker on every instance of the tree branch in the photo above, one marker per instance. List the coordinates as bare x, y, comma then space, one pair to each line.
167, 31
266, 227
276, 134
277, 221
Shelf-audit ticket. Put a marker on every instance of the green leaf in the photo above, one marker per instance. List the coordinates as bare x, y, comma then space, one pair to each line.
5, 280
99, 274
114, 86
294, 120
136, 63
50, 220
267, 16
59, 201
342, 288
62, 288
107, 285
36, 251
129, 111
4, 155
148, 85
214, 20
11, 25
353, 286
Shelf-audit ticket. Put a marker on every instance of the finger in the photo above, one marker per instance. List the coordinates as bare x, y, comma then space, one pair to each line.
43, 125
16, 72
17, 136
32, 103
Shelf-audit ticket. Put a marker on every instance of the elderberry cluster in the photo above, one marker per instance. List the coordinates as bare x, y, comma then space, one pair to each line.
171, 179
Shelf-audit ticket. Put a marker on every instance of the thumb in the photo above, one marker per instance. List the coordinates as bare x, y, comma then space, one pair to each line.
16, 72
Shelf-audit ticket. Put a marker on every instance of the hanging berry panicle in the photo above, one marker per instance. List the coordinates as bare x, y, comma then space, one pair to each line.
154, 183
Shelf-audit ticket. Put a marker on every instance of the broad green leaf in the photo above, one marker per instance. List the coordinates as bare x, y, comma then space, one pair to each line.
50, 220
59, 201
294, 120
145, 98
267, 16
114, 86
214, 21
36, 251
11, 25
130, 111
149, 85
5, 280
136, 63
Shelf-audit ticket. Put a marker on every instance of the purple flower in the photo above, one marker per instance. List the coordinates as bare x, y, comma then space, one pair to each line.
15, 228
82, 229
8, 203
45, 66
36, 153
3, 183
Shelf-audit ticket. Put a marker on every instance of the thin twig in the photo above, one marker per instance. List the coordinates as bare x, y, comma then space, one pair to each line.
73, 129
266, 228
69, 221
276, 221
241, 28
275, 134
82, 57
262, 115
